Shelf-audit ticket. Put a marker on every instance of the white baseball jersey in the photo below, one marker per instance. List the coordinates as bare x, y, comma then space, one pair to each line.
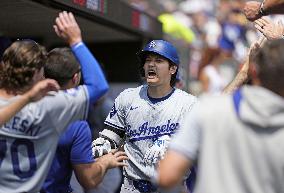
143, 122
28, 141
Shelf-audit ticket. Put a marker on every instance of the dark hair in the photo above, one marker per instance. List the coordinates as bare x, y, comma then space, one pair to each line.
142, 62
174, 76
19, 63
61, 65
270, 65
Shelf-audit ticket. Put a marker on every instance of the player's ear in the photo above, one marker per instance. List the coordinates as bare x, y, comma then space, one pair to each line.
76, 79
173, 69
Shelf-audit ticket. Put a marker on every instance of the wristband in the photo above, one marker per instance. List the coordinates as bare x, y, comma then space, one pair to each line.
261, 9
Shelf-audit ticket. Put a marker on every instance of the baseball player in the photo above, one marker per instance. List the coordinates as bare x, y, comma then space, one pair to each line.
28, 141
36, 93
145, 118
74, 150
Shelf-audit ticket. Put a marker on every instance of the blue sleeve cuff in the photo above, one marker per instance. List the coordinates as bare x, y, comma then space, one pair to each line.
74, 46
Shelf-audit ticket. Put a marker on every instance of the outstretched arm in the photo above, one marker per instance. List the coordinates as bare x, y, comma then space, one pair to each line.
269, 29
67, 28
243, 75
38, 91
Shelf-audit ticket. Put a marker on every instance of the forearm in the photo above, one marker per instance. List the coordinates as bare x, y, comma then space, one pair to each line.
7, 112
92, 73
274, 6
172, 169
243, 75
100, 170
102, 164
238, 81
90, 175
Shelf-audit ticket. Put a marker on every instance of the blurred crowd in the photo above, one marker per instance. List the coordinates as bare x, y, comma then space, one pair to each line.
212, 37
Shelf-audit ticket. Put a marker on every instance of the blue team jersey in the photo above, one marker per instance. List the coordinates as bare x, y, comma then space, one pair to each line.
74, 147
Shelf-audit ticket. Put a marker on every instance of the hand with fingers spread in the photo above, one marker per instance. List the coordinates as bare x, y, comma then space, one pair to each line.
269, 29
67, 28
114, 159
41, 89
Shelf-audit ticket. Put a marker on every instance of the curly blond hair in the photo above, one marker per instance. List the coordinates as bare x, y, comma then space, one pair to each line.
19, 63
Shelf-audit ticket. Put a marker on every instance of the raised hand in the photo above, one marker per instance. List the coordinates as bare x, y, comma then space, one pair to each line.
254, 48
243, 74
67, 28
251, 10
269, 29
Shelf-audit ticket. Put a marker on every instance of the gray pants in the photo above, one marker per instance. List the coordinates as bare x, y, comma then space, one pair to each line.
128, 187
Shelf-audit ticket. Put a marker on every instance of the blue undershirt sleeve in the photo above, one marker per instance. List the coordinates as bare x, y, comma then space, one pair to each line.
92, 73
81, 151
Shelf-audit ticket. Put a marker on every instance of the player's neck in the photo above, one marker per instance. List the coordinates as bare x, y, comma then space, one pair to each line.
6, 95
159, 91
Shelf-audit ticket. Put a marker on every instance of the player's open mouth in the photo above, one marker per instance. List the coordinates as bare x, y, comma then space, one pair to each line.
151, 74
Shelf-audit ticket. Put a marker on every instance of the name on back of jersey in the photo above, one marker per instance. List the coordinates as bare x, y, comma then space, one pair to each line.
19, 125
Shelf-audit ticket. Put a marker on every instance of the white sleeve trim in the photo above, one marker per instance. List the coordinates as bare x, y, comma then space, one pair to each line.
112, 135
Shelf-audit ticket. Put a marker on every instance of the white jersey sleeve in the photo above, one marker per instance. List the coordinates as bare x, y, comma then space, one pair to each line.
65, 107
117, 117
